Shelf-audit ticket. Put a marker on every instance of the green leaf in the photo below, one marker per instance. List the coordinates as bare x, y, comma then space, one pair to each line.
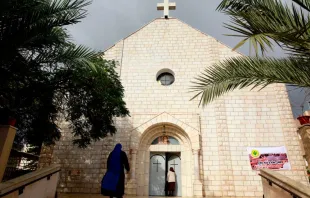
242, 72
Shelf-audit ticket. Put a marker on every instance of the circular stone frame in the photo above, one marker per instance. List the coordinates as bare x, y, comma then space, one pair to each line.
163, 71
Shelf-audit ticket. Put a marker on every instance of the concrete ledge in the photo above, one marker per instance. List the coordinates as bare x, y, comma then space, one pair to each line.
8, 126
286, 184
22, 181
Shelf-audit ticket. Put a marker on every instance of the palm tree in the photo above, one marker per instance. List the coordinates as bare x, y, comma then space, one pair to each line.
261, 23
43, 74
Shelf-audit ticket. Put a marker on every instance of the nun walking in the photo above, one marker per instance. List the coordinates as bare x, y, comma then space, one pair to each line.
113, 182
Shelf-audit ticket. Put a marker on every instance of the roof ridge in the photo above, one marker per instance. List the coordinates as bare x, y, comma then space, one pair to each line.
132, 33
179, 21
209, 36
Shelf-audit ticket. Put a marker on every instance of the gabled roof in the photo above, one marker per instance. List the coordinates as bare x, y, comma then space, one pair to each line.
170, 19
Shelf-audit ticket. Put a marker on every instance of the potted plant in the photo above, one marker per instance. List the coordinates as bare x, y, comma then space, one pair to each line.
11, 121
303, 119
7, 117
308, 173
300, 103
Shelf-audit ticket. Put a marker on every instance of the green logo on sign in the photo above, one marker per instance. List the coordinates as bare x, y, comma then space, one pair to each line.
255, 153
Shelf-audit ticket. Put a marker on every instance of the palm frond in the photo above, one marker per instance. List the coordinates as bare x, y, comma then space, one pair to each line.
79, 56
260, 21
235, 4
242, 72
305, 4
63, 12
38, 23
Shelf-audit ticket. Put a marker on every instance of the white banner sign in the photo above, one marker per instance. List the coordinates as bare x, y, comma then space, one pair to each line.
269, 157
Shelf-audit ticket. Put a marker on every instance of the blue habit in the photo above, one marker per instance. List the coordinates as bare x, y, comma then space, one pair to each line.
115, 168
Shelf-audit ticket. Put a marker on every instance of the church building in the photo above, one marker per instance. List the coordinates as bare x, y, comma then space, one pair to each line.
207, 146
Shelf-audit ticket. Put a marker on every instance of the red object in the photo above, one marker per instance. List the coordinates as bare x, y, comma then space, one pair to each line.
304, 119
12, 121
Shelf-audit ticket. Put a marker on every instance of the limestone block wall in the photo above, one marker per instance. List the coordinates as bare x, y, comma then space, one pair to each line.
46, 156
244, 119
226, 127
83, 169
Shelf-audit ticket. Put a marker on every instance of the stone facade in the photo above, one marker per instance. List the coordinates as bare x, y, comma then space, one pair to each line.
213, 139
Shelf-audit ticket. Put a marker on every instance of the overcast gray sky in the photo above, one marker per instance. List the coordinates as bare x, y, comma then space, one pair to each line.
109, 21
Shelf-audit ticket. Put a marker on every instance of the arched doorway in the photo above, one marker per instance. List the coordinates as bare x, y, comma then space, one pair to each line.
160, 164
158, 157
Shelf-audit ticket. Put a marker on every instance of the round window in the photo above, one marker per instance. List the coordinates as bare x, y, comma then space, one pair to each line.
165, 79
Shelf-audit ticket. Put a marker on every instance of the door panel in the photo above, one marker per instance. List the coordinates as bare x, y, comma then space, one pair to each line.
174, 161
157, 174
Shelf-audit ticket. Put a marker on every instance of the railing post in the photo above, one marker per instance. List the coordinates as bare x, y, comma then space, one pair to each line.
7, 135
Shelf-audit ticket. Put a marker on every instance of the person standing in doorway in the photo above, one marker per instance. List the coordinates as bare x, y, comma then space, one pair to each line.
113, 183
171, 181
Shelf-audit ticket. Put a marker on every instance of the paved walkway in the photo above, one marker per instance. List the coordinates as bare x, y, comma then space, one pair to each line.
94, 196
100, 196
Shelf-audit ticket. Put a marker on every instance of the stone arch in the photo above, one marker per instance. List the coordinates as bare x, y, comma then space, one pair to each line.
139, 133
156, 130
145, 148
